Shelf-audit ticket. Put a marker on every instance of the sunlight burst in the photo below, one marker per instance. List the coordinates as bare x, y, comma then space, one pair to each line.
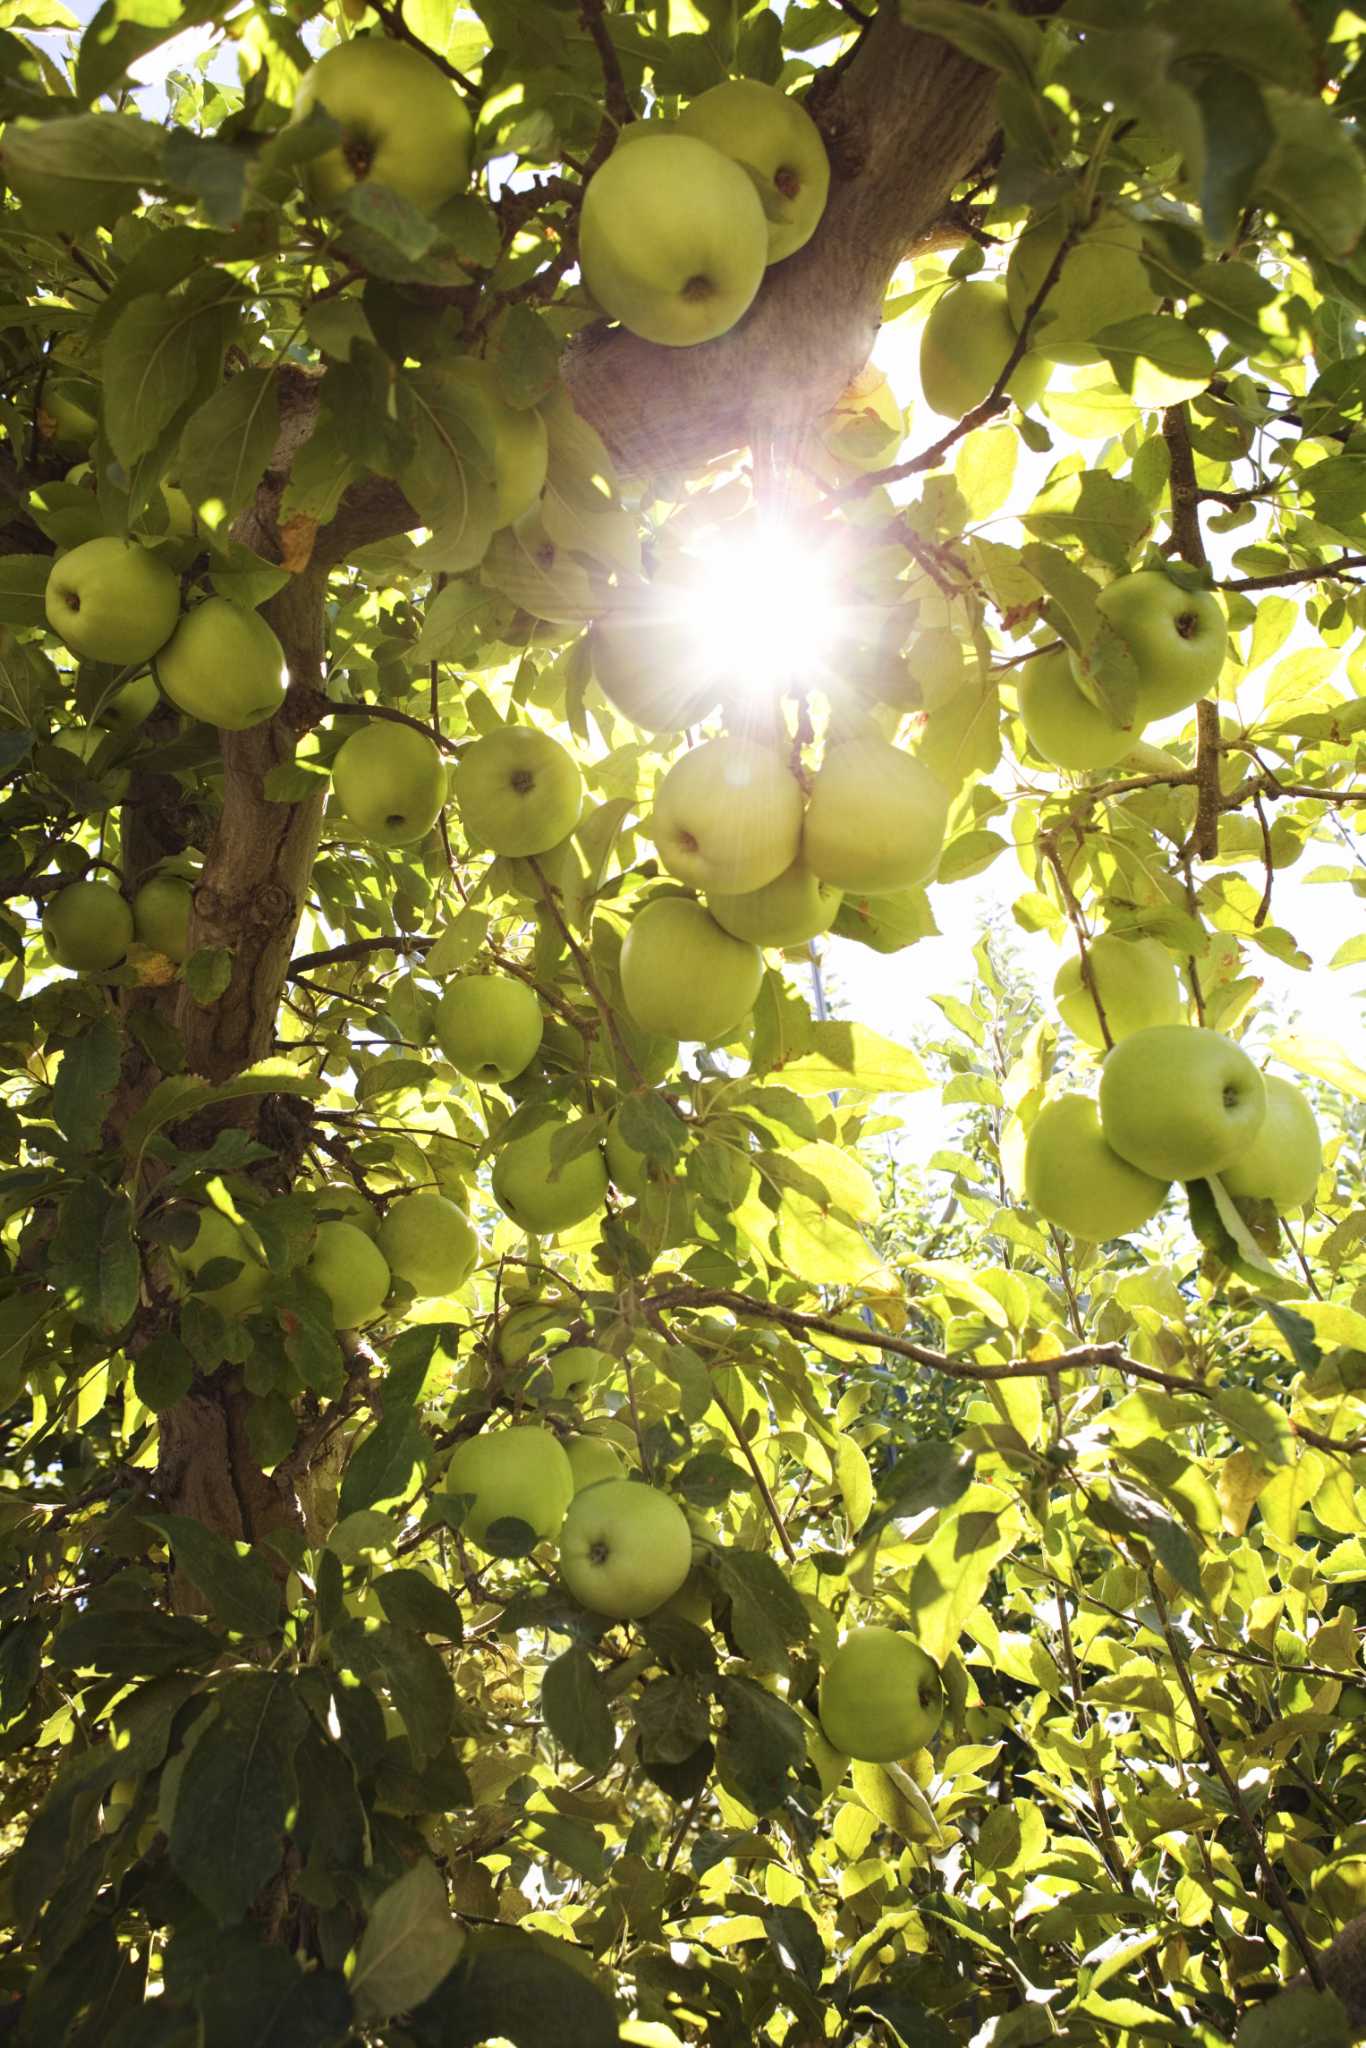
768, 608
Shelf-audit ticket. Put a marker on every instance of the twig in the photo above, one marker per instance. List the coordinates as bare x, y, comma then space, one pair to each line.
1270, 1875
1278, 582
589, 979
617, 108
1264, 907
1185, 493
392, 17
1048, 847
387, 712
747, 1452
1208, 800
990, 407
359, 949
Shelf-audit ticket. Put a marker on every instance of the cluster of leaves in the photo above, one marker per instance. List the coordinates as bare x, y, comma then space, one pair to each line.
282, 1760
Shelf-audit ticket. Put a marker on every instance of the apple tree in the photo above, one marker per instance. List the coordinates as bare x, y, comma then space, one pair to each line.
569, 1475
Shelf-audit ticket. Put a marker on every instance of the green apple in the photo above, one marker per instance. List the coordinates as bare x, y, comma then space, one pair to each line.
1138, 987
161, 915
875, 819
489, 1026
218, 1237
403, 124
539, 1196
692, 1602
429, 1242
1180, 1102
352, 1272
727, 816
1065, 726
1177, 637
1102, 281
390, 781
520, 447
881, 1696
127, 709
630, 1170
645, 661
569, 1374
788, 911
593, 1459
964, 347
530, 1326
87, 927
673, 242
1283, 1162
111, 600
223, 664
518, 791
340, 1202
625, 1548
773, 138
683, 977
517, 1475
1073, 1178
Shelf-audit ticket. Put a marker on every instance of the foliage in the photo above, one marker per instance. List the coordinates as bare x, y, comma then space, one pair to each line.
284, 1757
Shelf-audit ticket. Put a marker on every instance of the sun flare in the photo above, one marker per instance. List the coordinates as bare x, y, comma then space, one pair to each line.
767, 607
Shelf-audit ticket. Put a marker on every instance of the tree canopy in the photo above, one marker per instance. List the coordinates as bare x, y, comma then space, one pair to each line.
482, 1331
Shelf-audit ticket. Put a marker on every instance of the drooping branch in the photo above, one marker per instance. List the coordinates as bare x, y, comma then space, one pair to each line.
905, 121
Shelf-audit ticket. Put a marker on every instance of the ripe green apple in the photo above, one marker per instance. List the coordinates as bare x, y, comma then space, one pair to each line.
403, 124
111, 600
673, 242
390, 781
429, 1242
1177, 638
875, 819
645, 662
520, 446
772, 137
788, 911
964, 347
518, 791
1283, 1162
593, 1459
1065, 726
625, 1548
540, 1197
683, 977
1180, 1102
881, 1696
127, 709
1073, 1178
1102, 281
223, 664
218, 1237
1137, 983
569, 1374
161, 915
630, 1170
352, 1272
727, 816
515, 1475
87, 927
489, 1026
340, 1202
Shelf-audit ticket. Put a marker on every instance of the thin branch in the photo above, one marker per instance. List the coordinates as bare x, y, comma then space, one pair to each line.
392, 17
617, 108
387, 712
1279, 580
1270, 1875
360, 949
1209, 800
1185, 493
589, 979
1048, 847
747, 1453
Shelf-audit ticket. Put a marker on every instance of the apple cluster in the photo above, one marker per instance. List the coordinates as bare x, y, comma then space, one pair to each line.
1177, 1102
680, 223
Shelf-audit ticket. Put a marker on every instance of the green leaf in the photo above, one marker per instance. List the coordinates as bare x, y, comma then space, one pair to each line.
81, 173
409, 1945
163, 1372
848, 1055
273, 2003
226, 444
134, 1643
226, 1836
117, 35
1238, 137
1106, 514
525, 353
415, 1673
575, 1709
1314, 177
85, 1082
766, 1614
397, 1450
525, 1988
160, 353
23, 580
411, 1600
1158, 359
240, 1591
94, 1263
1297, 2018
207, 974
761, 1744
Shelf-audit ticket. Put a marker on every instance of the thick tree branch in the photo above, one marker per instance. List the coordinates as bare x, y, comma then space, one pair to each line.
905, 120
